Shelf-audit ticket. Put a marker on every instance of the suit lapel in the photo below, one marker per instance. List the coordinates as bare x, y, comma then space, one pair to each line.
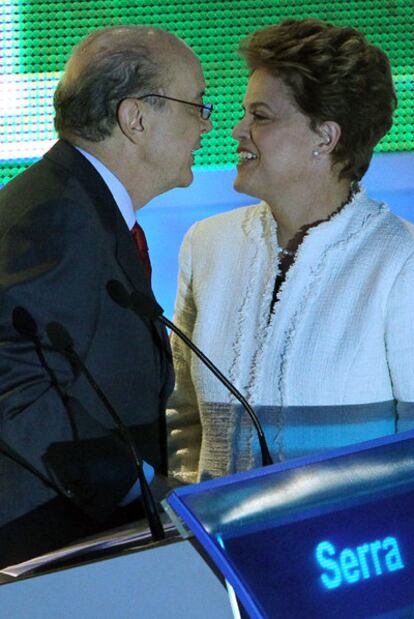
68, 157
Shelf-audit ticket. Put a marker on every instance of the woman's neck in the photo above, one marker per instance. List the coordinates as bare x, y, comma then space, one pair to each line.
295, 211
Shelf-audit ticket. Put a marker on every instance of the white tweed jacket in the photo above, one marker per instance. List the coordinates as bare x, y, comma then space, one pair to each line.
334, 363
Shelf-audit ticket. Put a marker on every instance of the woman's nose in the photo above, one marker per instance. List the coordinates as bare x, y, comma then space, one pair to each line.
240, 130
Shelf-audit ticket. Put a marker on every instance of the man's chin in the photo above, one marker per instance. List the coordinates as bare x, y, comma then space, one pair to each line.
186, 179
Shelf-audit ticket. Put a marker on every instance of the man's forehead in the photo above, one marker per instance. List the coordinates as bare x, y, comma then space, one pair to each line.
176, 60
176, 53
155, 42
187, 75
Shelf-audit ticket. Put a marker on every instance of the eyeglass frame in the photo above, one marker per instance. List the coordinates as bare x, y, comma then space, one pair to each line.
206, 109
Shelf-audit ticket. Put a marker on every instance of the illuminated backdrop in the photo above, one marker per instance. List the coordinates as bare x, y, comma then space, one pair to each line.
37, 36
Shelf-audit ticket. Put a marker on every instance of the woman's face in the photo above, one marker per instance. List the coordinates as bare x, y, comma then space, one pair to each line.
276, 143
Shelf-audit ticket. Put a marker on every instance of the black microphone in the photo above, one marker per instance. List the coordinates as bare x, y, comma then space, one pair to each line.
26, 326
24, 323
145, 307
63, 342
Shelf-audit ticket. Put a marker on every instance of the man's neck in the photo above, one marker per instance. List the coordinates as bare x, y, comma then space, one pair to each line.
123, 164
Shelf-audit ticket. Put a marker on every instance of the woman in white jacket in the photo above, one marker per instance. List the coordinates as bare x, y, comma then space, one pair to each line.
306, 300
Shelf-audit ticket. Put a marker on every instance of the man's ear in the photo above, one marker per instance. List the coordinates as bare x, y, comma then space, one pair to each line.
131, 119
329, 132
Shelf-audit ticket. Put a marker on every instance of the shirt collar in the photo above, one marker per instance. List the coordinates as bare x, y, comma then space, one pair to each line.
117, 189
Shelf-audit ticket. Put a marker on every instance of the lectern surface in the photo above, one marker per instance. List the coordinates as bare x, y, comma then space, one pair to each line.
167, 582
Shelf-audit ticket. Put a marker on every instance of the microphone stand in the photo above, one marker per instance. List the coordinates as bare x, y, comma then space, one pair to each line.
62, 341
144, 306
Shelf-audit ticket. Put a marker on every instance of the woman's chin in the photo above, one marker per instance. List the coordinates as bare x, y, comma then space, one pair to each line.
242, 184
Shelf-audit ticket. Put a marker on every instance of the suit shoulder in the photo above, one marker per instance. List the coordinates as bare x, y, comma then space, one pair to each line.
42, 195
41, 178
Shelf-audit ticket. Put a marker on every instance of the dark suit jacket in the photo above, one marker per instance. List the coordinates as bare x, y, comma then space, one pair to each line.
62, 238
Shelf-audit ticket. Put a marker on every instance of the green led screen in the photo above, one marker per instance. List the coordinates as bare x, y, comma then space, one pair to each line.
37, 36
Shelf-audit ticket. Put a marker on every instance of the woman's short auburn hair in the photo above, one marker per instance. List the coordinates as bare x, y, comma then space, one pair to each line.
334, 74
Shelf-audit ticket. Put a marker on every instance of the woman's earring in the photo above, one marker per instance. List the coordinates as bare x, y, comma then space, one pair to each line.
315, 153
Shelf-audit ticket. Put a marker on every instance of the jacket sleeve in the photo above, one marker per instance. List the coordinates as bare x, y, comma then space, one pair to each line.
183, 417
49, 264
399, 340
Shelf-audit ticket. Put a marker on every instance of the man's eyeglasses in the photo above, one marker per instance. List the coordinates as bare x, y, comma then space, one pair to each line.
205, 108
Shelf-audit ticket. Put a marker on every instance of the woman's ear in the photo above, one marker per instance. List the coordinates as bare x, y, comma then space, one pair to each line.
329, 133
131, 118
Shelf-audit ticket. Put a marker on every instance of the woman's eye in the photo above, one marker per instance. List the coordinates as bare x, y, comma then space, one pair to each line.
255, 115
258, 116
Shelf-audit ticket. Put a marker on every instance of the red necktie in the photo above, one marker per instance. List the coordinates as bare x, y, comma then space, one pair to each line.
141, 243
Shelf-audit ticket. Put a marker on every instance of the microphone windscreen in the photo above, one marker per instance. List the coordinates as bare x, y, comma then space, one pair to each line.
58, 336
145, 306
118, 293
23, 322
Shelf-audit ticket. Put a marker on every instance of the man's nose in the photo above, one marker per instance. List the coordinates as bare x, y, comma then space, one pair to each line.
206, 125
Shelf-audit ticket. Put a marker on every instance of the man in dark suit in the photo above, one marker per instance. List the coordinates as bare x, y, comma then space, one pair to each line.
129, 114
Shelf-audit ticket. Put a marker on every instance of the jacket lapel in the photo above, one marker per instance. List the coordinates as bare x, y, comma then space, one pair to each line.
68, 157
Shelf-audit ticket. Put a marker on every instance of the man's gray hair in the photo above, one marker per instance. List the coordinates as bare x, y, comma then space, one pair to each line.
108, 66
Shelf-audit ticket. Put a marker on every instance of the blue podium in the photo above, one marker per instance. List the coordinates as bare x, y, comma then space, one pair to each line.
324, 537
